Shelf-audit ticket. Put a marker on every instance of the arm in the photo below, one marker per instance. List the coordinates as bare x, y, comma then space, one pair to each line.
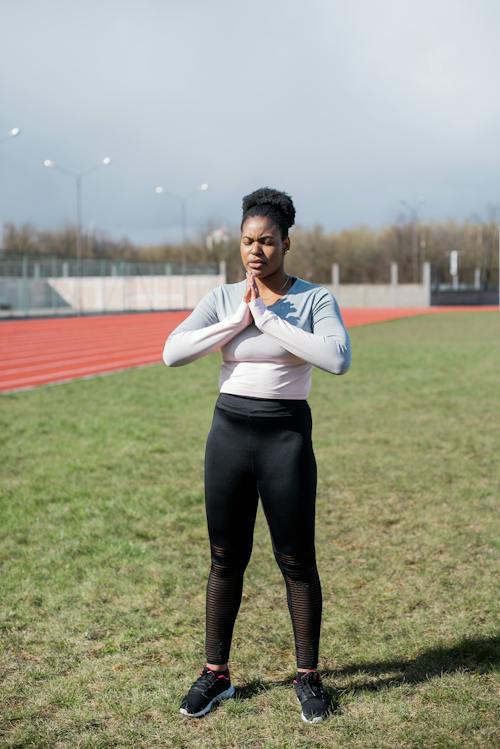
202, 332
327, 347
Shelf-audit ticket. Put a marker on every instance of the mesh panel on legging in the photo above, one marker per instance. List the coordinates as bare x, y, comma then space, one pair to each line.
224, 590
304, 597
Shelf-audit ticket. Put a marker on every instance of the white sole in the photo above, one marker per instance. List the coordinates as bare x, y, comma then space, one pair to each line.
229, 692
316, 719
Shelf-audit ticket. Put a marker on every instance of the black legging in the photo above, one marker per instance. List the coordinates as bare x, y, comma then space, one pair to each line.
271, 456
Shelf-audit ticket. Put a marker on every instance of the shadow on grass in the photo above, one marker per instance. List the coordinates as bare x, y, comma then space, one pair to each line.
476, 655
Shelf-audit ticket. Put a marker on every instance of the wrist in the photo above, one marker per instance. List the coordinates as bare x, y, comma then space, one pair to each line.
260, 312
241, 312
257, 304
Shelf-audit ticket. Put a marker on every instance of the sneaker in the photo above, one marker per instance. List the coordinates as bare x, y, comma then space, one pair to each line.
208, 689
311, 695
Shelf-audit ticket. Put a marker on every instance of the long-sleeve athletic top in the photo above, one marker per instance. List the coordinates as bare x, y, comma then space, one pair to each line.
267, 351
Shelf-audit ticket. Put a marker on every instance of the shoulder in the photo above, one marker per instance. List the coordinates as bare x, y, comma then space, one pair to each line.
227, 297
312, 290
318, 300
229, 290
225, 291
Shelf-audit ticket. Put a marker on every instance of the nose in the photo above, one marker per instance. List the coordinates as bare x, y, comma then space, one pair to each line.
256, 249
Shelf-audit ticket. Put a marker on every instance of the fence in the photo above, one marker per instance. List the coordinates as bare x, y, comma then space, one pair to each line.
473, 287
470, 286
31, 286
391, 294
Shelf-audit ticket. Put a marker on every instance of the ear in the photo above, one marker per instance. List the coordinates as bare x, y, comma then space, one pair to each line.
286, 245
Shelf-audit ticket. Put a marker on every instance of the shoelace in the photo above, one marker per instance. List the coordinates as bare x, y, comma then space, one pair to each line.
205, 681
312, 686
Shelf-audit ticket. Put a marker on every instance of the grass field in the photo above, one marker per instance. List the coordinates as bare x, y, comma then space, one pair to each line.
104, 556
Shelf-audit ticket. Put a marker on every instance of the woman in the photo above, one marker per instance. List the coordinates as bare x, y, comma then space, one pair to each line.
271, 329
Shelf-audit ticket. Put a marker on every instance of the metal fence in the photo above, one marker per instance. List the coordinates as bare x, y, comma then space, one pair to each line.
470, 286
33, 285
50, 266
467, 278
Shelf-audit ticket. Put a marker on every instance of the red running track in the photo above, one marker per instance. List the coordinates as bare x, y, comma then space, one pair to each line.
37, 352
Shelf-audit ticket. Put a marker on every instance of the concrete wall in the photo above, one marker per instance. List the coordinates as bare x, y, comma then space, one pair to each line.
68, 294
117, 293
381, 295
392, 294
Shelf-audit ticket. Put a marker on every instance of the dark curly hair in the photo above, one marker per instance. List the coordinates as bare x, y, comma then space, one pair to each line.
277, 205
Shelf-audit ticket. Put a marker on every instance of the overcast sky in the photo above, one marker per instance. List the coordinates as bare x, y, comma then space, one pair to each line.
349, 105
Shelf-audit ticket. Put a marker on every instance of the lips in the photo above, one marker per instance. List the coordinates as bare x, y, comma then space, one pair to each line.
256, 263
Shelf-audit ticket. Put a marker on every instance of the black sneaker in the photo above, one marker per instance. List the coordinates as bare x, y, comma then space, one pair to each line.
209, 688
311, 695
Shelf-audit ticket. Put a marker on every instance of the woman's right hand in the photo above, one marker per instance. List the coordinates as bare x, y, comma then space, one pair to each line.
248, 291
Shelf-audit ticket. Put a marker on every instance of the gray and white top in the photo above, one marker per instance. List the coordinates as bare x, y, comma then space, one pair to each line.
267, 351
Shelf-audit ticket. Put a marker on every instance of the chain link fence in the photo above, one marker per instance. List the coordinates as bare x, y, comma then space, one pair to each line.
50, 285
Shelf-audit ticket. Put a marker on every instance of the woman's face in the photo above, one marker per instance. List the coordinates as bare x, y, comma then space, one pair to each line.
262, 249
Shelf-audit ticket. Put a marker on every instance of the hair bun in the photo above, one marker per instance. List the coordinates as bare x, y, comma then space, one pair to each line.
267, 196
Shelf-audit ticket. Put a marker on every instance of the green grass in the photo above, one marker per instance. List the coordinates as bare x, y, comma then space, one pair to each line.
104, 555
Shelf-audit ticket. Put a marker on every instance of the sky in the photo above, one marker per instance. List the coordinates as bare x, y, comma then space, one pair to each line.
350, 106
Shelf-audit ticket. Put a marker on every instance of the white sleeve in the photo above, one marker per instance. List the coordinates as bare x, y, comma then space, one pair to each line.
327, 347
202, 332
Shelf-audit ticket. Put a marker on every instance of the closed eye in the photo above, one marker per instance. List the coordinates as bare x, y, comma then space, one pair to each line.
267, 240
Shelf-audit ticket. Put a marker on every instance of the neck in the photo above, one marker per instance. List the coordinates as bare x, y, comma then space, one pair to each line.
273, 283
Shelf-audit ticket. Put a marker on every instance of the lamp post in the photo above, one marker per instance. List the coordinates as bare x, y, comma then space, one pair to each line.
498, 227
413, 210
487, 260
12, 133
160, 190
78, 177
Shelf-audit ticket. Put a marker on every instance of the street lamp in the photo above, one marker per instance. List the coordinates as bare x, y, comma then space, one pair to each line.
77, 176
12, 133
160, 190
498, 227
413, 210
489, 246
